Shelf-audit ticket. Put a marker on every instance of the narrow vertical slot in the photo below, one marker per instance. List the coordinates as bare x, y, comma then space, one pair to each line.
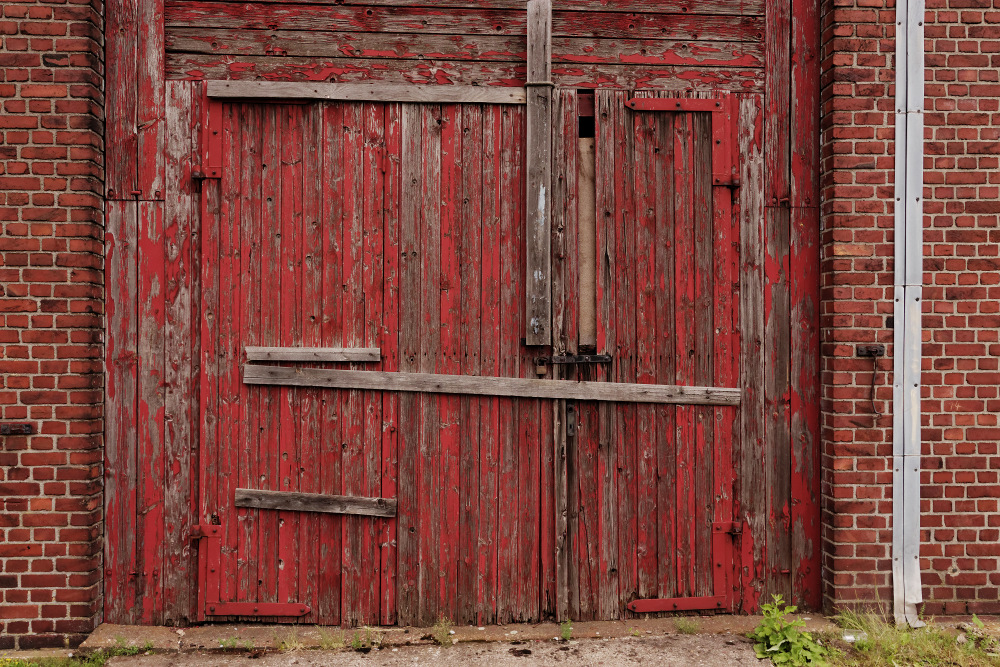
587, 217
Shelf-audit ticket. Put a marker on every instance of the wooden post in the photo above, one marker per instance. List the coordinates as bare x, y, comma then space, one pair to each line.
538, 301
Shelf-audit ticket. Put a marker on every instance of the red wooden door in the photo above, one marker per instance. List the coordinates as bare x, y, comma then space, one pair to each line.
651, 485
399, 228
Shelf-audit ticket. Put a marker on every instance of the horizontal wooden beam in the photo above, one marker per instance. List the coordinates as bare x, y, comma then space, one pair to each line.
367, 92
314, 502
313, 354
431, 383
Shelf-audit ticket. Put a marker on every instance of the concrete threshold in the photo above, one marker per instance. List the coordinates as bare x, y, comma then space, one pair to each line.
259, 637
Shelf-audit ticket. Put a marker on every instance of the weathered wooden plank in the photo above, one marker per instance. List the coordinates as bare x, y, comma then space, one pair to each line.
666, 358
778, 103
291, 501
316, 354
330, 570
373, 121
428, 471
183, 128
459, 21
805, 302
450, 350
645, 335
407, 593
432, 383
607, 118
121, 173
511, 316
279, 44
504, 75
745, 7
365, 92
470, 323
389, 341
150, 111
538, 188
121, 390
312, 420
490, 336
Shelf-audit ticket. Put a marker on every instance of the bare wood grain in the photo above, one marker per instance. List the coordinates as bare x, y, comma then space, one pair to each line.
432, 383
315, 502
367, 92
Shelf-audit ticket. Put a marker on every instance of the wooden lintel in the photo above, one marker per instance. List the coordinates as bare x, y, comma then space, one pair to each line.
315, 502
538, 222
432, 383
367, 92
351, 354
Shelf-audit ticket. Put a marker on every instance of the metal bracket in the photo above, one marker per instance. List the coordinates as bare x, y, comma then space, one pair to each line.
209, 173
676, 104
574, 359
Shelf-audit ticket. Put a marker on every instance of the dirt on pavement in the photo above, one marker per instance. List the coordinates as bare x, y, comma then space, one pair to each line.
696, 650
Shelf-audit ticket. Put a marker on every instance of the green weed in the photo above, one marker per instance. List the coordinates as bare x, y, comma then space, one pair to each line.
784, 641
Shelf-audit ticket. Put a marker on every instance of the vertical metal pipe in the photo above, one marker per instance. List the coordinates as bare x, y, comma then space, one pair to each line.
908, 286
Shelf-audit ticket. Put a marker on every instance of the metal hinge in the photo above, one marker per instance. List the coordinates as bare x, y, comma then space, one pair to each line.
209, 173
574, 359
733, 528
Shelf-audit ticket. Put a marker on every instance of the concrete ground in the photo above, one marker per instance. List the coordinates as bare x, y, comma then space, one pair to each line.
667, 650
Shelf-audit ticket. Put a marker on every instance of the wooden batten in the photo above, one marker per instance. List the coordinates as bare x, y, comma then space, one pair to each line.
324, 354
538, 224
432, 383
366, 92
314, 502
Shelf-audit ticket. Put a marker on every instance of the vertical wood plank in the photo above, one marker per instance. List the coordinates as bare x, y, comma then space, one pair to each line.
448, 357
183, 127
777, 101
471, 321
666, 452
356, 580
389, 343
408, 520
120, 101
511, 317
121, 390
752, 461
624, 432
805, 299
644, 130
684, 350
704, 332
538, 204
607, 120
331, 527
490, 336
311, 419
373, 190
251, 240
150, 110
429, 467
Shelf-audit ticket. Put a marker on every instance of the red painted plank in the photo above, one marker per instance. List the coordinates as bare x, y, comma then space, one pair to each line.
330, 527
511, 267
469, 234
429, 465
491, 254
121, 102
150, 112
644, 183
389, 343
373, 119
312, 417
449, 352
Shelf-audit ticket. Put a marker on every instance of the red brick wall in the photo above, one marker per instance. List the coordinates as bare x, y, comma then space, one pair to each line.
960, 489
50, 319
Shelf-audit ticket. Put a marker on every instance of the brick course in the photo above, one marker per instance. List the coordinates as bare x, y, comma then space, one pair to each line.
51, 294
961, 303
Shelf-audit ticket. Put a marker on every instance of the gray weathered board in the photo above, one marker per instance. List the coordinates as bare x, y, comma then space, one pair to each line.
367, 92
432, 383
314, 502
355, 354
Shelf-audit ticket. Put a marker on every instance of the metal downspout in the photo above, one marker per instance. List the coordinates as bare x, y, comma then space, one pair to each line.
908, 284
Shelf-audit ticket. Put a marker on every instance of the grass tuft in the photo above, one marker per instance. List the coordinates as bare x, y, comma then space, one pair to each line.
686, 626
